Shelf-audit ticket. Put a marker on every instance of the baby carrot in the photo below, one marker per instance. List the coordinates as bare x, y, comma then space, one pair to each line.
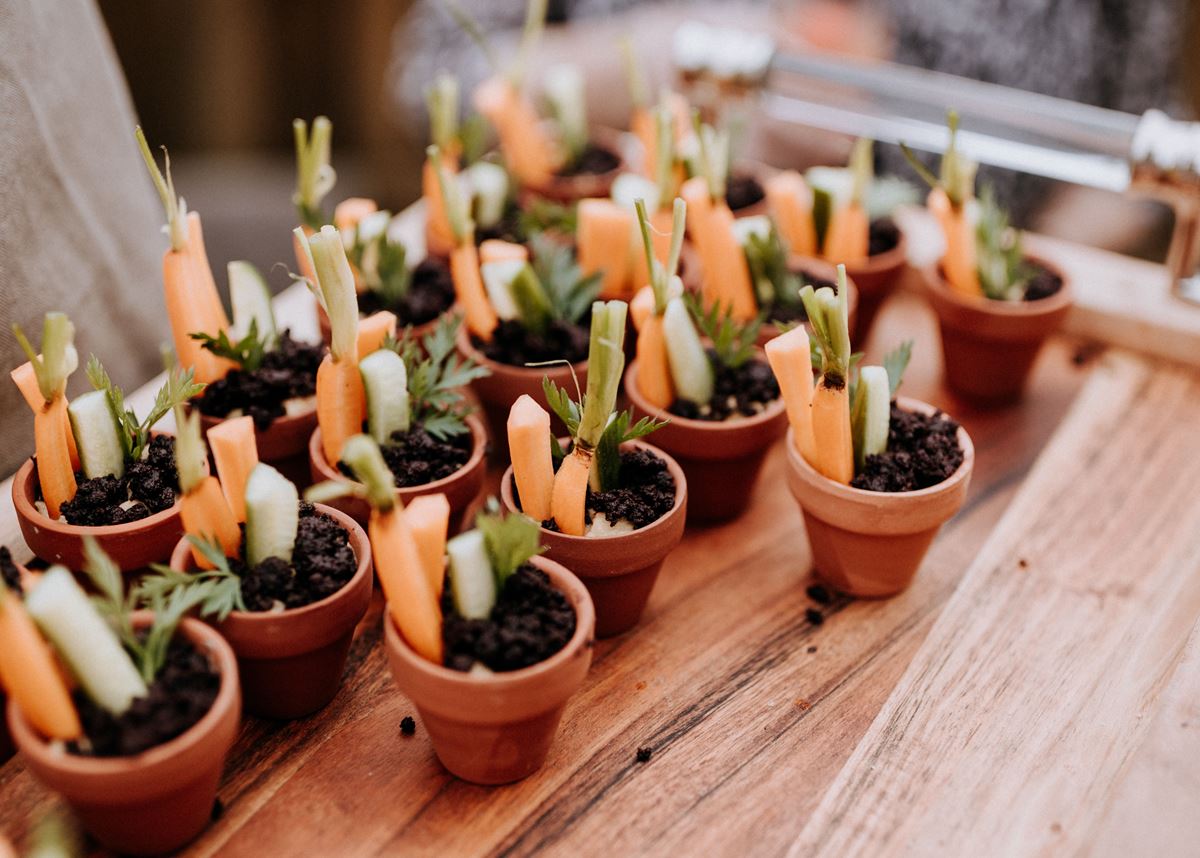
235, 453
529, 445
30, 675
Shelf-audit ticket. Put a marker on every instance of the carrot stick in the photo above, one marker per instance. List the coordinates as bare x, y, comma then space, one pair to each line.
495, 250
30, 675
351, 210
207, 516
832, 443
236, 453
790, 357
654, 372
699, 205
958, 263
655, 381
374, 330
643, 126
439, 238
726, 273
530, 153
790, 202
429, 518
410, 598
26, 380
847, 238
205, 288
468, 287
568, 499
602, 240
341, 404
529, 446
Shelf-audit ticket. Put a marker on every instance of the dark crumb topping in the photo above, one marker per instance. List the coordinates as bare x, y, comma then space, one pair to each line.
415, 457
819, 594
742, 191
509, 228
592, 161
430, 293
322, 563
738, 392
643, 755
515, 345
923, 450
883, 236
289, 371
647, 491
408, 726
793, 311
1042, 283
180, 695
9, 571
148, 487
814, 616
530, 622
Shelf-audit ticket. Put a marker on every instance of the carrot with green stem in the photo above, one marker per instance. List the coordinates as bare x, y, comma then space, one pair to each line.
51, 423
666, 180
464, 259
654, 368
790, 201
529, 445
203, 508
193, 303
833, 445
25, 378
847, 238
790, 357
442, 100
950, 196
235, 453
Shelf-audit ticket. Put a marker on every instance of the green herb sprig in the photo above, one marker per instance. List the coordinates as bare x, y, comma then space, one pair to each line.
570, 292
1000, 261
217, 591
732, 341
511, 540
247, 352
436, 378
179, 387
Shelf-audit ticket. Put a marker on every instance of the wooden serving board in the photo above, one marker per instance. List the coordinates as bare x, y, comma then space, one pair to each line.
765, 726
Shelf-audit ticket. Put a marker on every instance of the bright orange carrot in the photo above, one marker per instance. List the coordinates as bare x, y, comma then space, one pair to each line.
429, 518
833, 444
29, 674
529, 446
55, 474
568, 500
699, 205
847, 238
642, 306
726, 273
790, 357
958, 263
530, 153
341, 402
410, 597
602, 236
235, 452
654, 372
495, 250
643, 126
374, 330
26, 380
207, 516
205, 288
833, 441
790, 202
439, 239
351, 210
468, 287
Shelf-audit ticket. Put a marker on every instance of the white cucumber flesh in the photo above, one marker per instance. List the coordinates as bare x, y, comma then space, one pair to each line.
250, 298
690, 369
472, 580
489, 192
272, 515
385, 380
97, 436
878, 407
497, 280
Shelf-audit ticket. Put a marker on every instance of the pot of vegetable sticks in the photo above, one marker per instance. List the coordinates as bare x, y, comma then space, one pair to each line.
874, 278
587, 173
159, 799
995, 304
875, 476
284, 444
815, 272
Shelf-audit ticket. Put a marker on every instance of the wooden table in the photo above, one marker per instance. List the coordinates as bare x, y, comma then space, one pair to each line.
1037, 690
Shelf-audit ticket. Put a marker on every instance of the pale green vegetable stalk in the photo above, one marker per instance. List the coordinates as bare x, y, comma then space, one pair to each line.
660, 277
272, 515
870, 414
385, 380
862, 168
565, 91
489, 192
174, 205
58, 359
535, 23
827, 316
334, 287
365, 459
691, 371
714, 156
664, 151
956, 176
191, 456
532, 302
606, 362
442, 100
315, 176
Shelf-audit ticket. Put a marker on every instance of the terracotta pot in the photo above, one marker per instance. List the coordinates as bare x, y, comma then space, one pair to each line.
760, 173
876, 279
7, 748
618, 571
822, 269
498, 391
460, 488
497, 729
989, 346
571, 189
283, 444
291, 661
158, 800
721, 459
870, 544
419, 331
131, 546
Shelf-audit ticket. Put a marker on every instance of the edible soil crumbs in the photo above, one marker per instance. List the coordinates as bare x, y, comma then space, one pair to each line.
922, 451
742, 391
644, 754
147, 487
408, 726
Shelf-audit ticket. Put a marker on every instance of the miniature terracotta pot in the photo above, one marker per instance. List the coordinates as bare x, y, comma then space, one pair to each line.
158, 800
571, 189
134, 545
875, 280
291, 661
720, 458
460, 488
506, 384
283, 444
823, 270
618, 571
870, 544
497, 728
760, 173
989, 346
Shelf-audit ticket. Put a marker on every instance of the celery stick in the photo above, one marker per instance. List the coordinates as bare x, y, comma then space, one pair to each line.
272, 515
97, 436
385, 379
690, 369
472, 580
876, 409
497, 280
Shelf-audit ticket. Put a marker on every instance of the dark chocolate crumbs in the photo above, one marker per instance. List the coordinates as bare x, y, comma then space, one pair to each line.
811, 650
742, 191
884, 236
594, 160
430, 293
814, 616
288, 371
644, 754
513, 344
9, 571
922, 451
147, 487
415, 457
737, 391
218, 810
408, 726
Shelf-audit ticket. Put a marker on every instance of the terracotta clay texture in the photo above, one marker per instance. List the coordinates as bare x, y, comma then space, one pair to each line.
291, 662
618, 571
989, 346
158, 800
721, 459
870, 544
506, 384
282, 444
497, 728
818, 268
875, 280
131, 546
572, 189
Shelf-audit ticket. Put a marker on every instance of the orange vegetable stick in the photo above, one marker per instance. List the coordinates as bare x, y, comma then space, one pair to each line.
790, 357
439, 237
726, 272
495, 250
642, 306
530, 153
55, 473
29, 674
206, 515
848, 238
341, 404
235, 452
958, 264
654, 372
602, 238
699, 205
205, 288
660, 236
833, 445
351, 210
568, 501
429, 518
533, 466
410, 598
790, 202
468, 287
373, 330
645, 128
26, 380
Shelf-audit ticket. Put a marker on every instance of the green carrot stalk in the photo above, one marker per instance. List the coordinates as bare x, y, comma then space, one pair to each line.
635, 78
565, 91
315, 176
442, 99
173, 204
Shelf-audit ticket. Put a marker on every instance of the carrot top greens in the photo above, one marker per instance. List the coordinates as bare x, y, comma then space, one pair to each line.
58, 359
315, 176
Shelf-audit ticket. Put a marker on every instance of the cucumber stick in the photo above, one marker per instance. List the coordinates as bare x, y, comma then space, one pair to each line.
85, 641
97, 436
385, 380
628, 188
472, 580
690, 369
251, 301
272, 515
877, 408
497, 280
489, 192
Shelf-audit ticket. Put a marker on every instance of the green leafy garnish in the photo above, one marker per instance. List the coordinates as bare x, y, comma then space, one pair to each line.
827, 317
570, 292
1003, 274
510, 540
365, 460
315, 176
733, 342
956, 176
382, 262
217, 591
775, 284
58, 359
542, 215
896, 362
564, 407
179, 387
473, 138
436, 378
608, 452
247, 353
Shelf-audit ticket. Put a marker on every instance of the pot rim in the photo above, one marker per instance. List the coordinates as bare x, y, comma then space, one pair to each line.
850, 493
771, 412
221, 656
479, 441
208, 420
251, 618
936, 282
506, 494
22, 494
894, 258
600, 136
468, 349
564, 580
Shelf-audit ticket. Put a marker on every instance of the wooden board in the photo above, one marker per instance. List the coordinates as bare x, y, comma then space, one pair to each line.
1018, 716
